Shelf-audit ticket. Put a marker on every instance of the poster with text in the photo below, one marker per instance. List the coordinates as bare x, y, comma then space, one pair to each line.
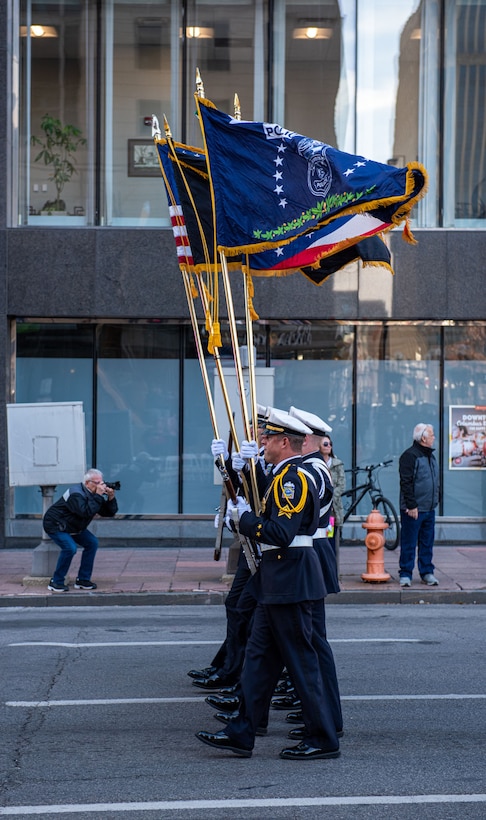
467, 437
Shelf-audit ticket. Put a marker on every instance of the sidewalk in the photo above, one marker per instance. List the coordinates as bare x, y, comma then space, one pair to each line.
162, 576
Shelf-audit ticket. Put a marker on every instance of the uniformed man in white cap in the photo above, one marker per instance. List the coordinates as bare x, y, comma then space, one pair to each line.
312, 460
225, 668
290, 580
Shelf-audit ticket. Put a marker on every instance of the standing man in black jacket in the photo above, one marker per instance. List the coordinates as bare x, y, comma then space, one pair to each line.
419, 496
66, 522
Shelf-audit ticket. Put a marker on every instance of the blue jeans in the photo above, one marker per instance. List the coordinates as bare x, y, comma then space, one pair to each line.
417, 532
69, 545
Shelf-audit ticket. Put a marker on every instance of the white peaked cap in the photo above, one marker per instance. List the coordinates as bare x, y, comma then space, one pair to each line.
261, 411
278, 421
318, 426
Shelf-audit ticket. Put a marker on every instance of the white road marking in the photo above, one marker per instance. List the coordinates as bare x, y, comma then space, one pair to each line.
115, 643
37, 704
194, 643
263, 803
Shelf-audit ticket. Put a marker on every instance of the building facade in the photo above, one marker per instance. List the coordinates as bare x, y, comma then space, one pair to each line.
92, 303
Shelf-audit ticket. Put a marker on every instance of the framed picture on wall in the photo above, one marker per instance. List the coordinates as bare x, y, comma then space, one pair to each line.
142, 159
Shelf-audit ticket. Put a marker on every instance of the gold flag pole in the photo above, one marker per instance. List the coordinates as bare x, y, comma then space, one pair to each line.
197, 336
234, 339
248, 317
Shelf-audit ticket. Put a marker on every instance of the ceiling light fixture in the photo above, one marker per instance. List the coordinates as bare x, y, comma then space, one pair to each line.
39, 31
199, 33
312, 33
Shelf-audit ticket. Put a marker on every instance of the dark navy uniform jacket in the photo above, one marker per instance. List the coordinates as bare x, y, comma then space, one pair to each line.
316, 465
289, 572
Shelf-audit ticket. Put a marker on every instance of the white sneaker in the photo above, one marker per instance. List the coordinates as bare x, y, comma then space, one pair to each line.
405, 581
430, 580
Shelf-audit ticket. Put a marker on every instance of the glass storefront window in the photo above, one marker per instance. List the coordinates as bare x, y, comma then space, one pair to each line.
140, 79
387, 80
464, 485
54, 363
56, 82
137, 440
465, 117
314, 371
152, 431
225, 40
309, 56
397, 386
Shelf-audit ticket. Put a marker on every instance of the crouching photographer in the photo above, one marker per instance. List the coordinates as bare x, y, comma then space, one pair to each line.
66, 523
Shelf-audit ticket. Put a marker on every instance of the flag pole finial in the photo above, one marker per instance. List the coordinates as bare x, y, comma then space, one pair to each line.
237, 108
199, 85
168, 133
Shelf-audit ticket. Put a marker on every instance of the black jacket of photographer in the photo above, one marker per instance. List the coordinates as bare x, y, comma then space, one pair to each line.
74, 511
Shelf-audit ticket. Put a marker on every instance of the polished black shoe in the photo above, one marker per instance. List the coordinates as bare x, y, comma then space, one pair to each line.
286, 702
299, 733
202, 673
305, 752
230, 690
284, 688
225, 717
294, 717
223, 742
223, 704
212, 682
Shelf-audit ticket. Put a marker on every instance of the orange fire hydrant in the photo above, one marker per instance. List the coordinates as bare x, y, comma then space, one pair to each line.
375, 542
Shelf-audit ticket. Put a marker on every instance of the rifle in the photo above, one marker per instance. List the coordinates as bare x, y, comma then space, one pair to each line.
248, 547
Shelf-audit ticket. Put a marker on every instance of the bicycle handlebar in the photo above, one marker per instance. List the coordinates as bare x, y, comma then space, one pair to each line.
370, 467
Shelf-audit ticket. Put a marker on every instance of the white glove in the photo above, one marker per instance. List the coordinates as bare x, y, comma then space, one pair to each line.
216, 521
237, 462
249, 449
219, 448
234, 511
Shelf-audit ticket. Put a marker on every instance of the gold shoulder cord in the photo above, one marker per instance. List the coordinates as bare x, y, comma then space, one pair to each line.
278, 489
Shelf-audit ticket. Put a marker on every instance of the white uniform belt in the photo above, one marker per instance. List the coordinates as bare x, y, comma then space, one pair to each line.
321, 532
299, 541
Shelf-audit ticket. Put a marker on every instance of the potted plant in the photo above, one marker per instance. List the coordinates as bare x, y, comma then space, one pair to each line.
58, 148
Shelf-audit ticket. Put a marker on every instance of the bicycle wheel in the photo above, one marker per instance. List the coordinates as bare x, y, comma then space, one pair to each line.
392, 532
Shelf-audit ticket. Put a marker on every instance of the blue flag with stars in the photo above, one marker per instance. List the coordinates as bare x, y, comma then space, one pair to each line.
271, 185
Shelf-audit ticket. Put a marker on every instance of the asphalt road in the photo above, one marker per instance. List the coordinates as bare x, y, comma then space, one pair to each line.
97, 719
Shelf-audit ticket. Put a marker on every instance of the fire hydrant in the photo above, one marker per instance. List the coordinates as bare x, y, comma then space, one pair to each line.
375, 543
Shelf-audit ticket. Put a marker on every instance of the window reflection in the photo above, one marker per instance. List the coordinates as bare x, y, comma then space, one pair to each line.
166, 470
54, 52
398, 385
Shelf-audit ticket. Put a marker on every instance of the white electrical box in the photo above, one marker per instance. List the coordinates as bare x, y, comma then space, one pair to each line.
46, 443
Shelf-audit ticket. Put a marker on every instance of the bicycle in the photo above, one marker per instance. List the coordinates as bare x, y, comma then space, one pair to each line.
378, 500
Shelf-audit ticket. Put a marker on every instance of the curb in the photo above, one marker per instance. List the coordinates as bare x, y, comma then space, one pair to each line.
209, 598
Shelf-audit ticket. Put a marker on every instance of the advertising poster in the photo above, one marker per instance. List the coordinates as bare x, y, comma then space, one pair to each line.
467, 437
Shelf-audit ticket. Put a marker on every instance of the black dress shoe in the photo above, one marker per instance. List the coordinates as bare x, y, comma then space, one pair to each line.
294, 717
202, 673
223, 704
225, 717
230, 690
299, 733
286, 702
305, 752
213, 682
284, 688
223, 742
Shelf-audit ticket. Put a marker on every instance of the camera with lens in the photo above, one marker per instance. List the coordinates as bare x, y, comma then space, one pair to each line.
113, 485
